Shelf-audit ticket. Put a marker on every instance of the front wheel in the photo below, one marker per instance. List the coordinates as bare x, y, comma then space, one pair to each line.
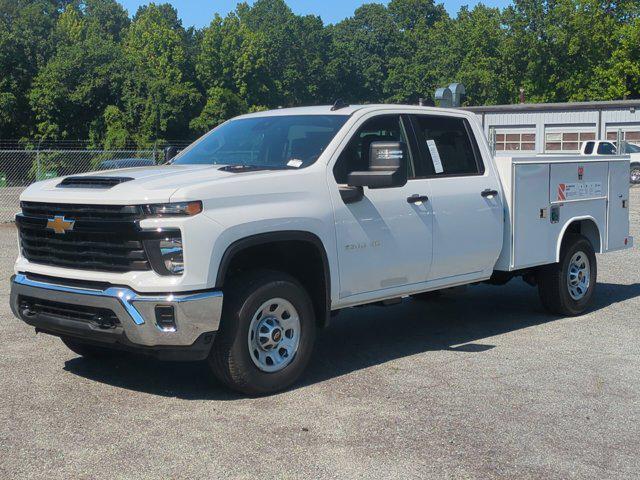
566, 287
267, 333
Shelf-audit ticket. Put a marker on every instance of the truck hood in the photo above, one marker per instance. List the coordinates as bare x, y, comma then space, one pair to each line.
149, 185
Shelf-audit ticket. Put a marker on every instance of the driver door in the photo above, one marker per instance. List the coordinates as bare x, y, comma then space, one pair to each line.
384, 238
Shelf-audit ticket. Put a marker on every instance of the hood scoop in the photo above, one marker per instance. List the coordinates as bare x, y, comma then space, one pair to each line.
92, 182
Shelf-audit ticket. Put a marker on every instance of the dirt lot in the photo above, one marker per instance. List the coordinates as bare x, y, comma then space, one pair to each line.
483, 384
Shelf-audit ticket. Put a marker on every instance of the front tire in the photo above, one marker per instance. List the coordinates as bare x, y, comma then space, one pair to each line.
267, 333
566, 287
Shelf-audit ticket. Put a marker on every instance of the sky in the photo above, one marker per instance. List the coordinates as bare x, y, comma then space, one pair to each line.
198, 13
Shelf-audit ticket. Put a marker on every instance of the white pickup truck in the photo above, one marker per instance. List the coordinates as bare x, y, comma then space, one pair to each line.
240, 247
607, 147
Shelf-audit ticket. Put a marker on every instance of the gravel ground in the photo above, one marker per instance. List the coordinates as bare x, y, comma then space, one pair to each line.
482, 384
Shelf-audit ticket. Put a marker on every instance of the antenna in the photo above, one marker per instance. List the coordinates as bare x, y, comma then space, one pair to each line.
338, 104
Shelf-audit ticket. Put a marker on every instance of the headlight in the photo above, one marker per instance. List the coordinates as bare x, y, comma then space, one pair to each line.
177, 209
165, 254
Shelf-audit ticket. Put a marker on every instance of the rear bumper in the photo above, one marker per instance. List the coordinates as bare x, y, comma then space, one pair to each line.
68, 311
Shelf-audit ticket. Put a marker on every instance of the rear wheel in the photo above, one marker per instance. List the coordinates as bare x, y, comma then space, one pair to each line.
85, 349
267, 333
566, 287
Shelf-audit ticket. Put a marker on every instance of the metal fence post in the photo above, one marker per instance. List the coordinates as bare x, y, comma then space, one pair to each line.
619, 142
492, 140
38, 173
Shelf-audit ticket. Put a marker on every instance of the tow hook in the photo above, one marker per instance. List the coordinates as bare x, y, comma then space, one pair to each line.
27, 310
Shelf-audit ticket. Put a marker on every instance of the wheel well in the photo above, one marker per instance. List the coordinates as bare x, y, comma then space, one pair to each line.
588, 229
299, 254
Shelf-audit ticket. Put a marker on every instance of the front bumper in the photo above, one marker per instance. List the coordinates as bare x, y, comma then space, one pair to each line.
197, 315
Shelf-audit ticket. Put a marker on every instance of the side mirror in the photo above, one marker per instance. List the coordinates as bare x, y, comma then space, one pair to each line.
387, 167
169, 153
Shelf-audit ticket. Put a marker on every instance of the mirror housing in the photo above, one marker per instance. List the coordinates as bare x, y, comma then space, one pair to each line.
387, 167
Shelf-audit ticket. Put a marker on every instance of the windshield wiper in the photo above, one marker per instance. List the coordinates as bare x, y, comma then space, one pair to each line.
251, 168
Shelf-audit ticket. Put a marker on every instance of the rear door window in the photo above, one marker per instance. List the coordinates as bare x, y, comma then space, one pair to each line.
606, 148
448, 147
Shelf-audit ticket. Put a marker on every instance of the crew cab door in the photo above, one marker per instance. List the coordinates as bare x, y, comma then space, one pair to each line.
383, 236
465, 198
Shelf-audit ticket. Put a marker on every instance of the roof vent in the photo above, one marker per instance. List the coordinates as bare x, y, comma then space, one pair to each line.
92, 182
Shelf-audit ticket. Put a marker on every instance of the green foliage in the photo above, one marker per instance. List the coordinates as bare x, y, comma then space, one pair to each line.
116, 134
78, 69
83, 76
157, 96
221, 105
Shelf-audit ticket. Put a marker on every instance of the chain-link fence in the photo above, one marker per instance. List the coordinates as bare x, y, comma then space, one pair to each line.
19, 168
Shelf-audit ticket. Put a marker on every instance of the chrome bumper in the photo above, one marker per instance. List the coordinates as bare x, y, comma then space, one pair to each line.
195, 313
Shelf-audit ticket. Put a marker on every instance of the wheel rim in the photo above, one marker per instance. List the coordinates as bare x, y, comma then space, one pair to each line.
579, 275
274, 335
635, 175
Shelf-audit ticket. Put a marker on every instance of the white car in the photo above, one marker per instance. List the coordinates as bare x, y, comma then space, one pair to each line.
606, 147
241, 247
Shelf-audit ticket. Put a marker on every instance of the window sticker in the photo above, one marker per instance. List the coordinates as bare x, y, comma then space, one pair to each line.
295, 163
435, 156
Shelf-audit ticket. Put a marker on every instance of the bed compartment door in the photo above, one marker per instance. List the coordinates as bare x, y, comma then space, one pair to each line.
531, 227
618, 207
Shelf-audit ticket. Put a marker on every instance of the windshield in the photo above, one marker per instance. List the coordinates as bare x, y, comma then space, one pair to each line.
280, 141
631, 148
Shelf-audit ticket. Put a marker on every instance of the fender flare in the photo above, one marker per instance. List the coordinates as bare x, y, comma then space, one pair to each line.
274, 237
566, 226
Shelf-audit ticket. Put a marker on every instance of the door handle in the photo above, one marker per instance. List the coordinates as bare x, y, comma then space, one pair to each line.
489, 193
417, 198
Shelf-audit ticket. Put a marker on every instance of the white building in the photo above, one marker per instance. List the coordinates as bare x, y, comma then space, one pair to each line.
559, 127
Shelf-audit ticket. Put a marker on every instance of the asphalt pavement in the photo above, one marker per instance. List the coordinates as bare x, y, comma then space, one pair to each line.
479, 384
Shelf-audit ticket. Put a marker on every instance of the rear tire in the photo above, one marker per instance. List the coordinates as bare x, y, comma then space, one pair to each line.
566, 287
86, 350
267, 333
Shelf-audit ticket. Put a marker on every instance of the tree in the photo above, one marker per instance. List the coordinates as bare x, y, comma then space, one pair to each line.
222, 104
557, 45
85, 74
25, 46
116, 133
360, 51
158, 98
478, 57
77, 69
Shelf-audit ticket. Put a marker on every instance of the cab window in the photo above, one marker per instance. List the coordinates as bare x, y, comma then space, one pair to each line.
588, 148
355, 156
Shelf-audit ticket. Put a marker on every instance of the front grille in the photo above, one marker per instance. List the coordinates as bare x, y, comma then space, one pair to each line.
103, 238
88, 251
92, 182
101, 317
82, 212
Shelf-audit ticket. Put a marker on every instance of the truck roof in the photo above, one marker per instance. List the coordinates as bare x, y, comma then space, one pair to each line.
348, 110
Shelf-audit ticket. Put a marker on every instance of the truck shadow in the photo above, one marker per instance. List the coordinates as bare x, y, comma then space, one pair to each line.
363, 337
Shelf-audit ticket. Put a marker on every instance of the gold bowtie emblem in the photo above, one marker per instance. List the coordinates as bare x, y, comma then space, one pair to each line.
59, 225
